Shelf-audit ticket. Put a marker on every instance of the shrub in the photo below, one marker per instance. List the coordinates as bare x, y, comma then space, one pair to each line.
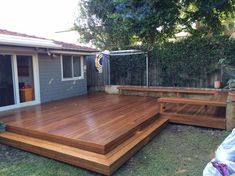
191, 62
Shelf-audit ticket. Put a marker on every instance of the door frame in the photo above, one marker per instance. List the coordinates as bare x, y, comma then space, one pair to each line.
37, 96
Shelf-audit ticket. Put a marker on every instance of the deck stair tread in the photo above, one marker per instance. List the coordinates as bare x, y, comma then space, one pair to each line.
102, 163
83, 143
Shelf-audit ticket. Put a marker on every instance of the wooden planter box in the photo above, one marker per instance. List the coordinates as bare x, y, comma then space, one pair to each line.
26, 94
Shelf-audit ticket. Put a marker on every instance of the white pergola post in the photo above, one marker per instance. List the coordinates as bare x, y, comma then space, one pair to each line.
147, 70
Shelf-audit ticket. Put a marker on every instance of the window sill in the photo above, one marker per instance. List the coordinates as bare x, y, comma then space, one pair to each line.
72, 79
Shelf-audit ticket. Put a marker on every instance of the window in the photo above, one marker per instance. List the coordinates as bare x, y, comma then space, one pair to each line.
77, 67
71, 67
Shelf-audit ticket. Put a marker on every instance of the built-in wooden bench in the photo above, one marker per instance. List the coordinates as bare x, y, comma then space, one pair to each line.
192, 101
174, 92
193, 111
170, 90
193, 106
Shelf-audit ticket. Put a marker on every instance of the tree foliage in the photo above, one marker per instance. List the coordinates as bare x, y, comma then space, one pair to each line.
117, 24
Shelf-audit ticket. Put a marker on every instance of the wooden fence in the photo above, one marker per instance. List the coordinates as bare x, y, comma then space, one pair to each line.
96, 81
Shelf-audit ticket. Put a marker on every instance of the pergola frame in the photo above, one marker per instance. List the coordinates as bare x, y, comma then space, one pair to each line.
128, 53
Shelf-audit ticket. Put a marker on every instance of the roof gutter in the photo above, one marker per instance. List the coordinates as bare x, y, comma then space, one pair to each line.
87, 53
123, 52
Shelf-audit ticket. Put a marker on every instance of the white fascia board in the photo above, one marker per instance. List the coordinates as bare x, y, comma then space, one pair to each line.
123, 52
27, 41
86, 53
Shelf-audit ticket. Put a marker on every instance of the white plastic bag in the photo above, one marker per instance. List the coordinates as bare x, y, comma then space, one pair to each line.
224, 162
210, 170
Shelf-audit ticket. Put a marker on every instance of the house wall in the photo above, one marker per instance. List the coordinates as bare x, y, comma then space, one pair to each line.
51, 85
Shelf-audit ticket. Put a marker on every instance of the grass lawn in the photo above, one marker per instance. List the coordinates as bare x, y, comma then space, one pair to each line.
177, 150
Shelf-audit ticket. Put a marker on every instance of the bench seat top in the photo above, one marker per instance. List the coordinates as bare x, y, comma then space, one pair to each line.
173, 90
192, 101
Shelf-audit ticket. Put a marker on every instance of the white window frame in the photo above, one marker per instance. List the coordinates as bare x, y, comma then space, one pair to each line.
37, 99
73, 78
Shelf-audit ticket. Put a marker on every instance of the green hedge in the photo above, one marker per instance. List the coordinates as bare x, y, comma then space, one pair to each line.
128, 70
193, 60
188, 62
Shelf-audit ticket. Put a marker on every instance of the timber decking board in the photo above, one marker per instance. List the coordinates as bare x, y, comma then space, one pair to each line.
96, 122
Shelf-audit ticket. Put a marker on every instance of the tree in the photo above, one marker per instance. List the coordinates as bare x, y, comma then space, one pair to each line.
211, 15
97, 24
116, 24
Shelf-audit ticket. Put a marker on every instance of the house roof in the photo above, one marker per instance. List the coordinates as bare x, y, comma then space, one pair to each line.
19, 39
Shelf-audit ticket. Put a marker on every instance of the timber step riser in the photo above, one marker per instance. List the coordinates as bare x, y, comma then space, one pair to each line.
81, 144
208, 122
136, 148
112, 145
53, 138
104, 164
96, 167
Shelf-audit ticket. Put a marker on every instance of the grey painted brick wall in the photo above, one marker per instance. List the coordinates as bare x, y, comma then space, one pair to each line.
51, 85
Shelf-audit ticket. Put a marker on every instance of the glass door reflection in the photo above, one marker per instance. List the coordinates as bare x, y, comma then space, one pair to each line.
7, 96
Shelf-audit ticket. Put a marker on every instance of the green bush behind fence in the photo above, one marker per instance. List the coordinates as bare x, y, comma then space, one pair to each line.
190, 62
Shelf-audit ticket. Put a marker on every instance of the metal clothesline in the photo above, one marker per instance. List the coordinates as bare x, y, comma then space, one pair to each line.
128, 53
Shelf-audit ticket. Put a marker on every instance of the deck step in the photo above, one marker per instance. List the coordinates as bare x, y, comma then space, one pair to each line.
103, 163
124, 134
202, 121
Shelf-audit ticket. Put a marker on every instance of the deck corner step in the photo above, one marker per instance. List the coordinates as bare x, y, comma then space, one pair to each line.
102, 163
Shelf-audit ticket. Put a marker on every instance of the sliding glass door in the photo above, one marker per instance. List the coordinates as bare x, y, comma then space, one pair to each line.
19, 84
7, 96
25, 78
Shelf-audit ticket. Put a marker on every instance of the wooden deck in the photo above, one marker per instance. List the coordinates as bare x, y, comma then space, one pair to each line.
100, 132
97, 132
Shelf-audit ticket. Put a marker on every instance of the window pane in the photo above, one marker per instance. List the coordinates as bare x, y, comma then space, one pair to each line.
6, 81
77, 66
26, 78
67, 67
